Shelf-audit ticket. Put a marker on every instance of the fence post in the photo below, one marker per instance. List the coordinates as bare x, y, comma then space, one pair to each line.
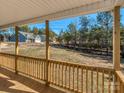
47, 52
16, 48
116, 44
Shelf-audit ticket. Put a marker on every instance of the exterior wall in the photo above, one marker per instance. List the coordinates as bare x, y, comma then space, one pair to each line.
21, 38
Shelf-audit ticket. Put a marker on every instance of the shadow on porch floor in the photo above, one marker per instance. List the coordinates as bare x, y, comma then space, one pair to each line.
11, 83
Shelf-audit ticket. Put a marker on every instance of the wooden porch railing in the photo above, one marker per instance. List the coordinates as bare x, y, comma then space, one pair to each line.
74, 77
120, 81
80, 78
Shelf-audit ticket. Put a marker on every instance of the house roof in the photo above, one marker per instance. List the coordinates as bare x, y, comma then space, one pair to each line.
27, 34
31, 35
18, 12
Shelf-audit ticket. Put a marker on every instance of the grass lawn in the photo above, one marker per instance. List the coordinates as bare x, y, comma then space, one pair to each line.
38, 50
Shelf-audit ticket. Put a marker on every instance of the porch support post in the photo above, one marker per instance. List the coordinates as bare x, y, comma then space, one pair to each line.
16, 48
116, 38
116, 45
47, 50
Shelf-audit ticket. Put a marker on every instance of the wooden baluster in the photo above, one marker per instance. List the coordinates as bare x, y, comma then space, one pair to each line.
86, 80
24, 67
97, 81
34, 68
21, 70
109, 84
69, 76
50, 72
53, 73
39, 69
103, 81
37, 63
82, 80
120, 86
91, 80
65, 75
27, 61
22, 64
56, 73
73, 78
77, 78
7, 62
62, 73
27, 66
42, 70
59, 74
123, 88
31, 67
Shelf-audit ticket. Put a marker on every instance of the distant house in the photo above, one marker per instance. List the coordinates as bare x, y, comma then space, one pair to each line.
39, 38
21, 38
28, 37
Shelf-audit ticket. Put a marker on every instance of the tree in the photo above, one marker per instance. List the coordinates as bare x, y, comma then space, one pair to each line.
52, 34
84, 24
67, 37
35, 31
104, 19
71, 28
60, 36
25, 28
41, 31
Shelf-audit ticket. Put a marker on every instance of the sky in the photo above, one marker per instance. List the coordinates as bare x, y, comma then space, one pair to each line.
56, 26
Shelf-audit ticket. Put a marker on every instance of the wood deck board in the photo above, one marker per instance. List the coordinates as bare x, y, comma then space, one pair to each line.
11, 83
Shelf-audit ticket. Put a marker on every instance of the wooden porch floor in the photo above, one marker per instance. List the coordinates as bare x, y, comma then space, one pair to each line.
11, 83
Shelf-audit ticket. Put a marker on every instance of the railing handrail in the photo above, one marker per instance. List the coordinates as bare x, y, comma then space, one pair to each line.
23, 56
90, 67
120, 75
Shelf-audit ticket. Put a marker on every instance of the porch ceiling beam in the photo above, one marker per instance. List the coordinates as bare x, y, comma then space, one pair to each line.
101, 5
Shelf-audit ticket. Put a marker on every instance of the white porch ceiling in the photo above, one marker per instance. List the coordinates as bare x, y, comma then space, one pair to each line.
18, 12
